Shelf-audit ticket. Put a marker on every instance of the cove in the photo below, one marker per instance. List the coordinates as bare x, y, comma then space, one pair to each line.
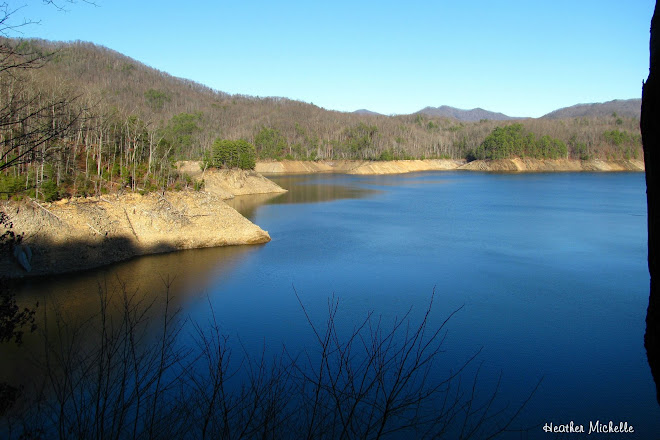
548, 270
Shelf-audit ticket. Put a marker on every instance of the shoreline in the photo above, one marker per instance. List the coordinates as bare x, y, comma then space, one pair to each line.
74, 235
79, 234
410, 166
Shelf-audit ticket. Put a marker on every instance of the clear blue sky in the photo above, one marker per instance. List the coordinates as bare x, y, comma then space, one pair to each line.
522, 58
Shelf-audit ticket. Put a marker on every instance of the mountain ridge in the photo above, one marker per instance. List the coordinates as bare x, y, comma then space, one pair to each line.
472, 115
621, 107
123, 96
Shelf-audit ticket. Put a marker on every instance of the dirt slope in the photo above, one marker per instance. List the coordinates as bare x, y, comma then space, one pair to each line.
406, 166
73, 235
409, 166
356, 166
538, 165
229, 183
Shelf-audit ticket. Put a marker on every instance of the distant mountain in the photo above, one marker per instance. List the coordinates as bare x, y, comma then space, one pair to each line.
364, 111
622, 107
476, 114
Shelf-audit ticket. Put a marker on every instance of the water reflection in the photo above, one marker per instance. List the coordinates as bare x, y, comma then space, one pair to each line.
302, 189
543, 264
189, 275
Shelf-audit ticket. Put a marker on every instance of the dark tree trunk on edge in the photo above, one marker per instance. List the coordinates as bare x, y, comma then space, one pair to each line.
650, 126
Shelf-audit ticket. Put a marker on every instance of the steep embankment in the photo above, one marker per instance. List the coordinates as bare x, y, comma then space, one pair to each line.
410, 166
72, 235
406, 166
357, 166
81, 234
548, 165
294, 167
229, 183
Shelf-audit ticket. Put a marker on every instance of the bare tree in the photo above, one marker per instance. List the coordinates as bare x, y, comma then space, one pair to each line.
125, 373
30, 120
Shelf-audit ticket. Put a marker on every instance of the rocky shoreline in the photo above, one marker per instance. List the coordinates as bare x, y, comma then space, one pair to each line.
78, 234
410, 166
363, 167
553, 165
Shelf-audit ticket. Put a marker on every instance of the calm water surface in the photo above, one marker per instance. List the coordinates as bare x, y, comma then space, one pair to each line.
550, 270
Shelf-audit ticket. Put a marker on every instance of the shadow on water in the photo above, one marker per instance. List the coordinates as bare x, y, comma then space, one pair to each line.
189, 273
77, 256
302, 189
202, 268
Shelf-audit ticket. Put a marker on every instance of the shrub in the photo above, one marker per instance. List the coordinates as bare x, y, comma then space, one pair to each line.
49, 191
386, 155
10, 186
231, 154
270, 143
512, 141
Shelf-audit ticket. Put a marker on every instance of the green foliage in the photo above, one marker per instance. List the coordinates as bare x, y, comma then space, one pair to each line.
11, 186
300, 131
50, 191
156, 99
15, 187
359, 138
231, 154
126, 68
512, 141
386, 155
619, 138
394, 154
579, 150
113, 146
461, 146
270, 143
179, 134
83, 186
550, 148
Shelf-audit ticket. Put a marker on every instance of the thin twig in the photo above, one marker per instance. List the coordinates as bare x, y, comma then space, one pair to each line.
49, 212
93, 229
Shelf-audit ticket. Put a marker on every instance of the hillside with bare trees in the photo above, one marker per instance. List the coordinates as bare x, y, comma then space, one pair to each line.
123, 124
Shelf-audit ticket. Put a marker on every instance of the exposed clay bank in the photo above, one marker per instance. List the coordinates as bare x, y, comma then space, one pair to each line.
409, 166
78, 234
548, 165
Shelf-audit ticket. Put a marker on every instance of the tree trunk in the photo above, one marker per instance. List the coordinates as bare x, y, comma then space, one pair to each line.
649, 127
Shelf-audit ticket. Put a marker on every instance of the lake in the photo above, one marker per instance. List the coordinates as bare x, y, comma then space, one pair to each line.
547, 271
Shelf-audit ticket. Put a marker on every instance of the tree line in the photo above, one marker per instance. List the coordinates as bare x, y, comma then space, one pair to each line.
79, 119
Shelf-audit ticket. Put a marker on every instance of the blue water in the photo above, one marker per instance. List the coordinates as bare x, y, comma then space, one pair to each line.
548, 271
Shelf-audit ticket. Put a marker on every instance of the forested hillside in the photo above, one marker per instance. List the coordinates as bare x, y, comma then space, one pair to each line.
80, 119
631, 108
476, 114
